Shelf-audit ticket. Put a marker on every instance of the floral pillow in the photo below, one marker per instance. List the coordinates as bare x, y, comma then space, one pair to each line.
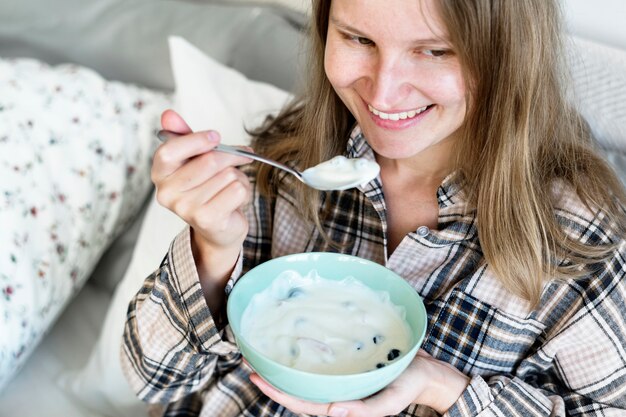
75, 153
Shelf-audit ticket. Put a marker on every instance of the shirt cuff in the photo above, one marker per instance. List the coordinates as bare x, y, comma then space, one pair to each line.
476, 397
187, 281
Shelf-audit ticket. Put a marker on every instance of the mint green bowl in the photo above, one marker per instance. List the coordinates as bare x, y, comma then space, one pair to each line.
319, 387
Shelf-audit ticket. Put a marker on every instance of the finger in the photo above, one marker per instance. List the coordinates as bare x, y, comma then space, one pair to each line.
246, 363
223, 206
383, 404
203, 167
175, 152
423, 353
170, 120
294, 404
389, 401
199, 198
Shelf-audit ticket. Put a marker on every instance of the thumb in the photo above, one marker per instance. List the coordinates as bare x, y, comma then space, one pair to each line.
170, 120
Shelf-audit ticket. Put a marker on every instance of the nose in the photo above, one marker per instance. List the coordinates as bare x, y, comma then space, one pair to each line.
389, 82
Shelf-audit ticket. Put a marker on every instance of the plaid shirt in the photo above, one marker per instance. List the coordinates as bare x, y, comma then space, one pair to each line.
565, 357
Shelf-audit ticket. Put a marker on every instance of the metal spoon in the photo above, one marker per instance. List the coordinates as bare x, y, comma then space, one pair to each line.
308, 177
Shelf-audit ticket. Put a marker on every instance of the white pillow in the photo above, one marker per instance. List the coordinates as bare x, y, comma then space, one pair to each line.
75, 151
209, 96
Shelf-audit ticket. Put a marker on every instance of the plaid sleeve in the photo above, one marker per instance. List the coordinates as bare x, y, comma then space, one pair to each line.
257, 247
171, 345
579, 369
505, 396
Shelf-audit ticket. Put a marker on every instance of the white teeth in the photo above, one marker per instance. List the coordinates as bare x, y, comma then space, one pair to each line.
396, 116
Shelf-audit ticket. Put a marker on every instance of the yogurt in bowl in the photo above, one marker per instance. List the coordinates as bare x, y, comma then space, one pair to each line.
325, 379
325, 326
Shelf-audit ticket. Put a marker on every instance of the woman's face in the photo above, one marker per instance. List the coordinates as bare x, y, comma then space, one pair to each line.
392, 66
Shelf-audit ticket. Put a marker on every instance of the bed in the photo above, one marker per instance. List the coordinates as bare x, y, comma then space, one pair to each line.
82, 85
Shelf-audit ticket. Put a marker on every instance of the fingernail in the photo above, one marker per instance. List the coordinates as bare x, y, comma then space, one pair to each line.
213, 136
338, 412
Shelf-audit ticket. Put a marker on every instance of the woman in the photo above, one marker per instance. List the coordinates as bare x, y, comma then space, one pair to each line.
491, 202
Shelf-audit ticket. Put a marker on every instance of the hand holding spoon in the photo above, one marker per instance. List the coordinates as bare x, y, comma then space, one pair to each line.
338, 173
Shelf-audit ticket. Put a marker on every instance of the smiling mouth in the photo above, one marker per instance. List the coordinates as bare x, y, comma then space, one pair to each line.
398, 116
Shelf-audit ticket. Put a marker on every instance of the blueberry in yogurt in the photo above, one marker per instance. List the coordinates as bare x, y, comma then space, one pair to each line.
393, 354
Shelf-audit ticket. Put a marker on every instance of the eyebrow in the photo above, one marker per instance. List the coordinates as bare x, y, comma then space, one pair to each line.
357, 32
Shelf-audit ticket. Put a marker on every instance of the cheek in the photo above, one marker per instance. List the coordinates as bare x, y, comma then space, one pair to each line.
332, 69
456, 96
340, 70
450, 87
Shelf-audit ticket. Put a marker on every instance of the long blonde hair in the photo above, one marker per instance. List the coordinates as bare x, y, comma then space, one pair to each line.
519, 139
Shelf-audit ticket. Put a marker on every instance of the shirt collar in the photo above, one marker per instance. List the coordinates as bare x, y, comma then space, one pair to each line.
455, 223
357, 146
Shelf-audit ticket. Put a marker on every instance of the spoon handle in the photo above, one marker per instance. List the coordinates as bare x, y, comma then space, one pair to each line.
164, 135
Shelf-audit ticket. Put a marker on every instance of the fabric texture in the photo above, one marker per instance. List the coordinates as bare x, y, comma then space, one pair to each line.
67, 343
598, 74
74, 164
208, 95
126, 40
564, 357
100, 385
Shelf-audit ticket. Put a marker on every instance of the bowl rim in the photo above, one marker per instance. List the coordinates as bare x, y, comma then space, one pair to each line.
419, 339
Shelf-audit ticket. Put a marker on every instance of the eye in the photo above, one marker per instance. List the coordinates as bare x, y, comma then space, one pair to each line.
358, 39
363, 41
436, 53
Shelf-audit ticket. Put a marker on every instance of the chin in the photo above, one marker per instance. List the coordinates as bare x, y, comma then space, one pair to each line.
391, 146
389, 151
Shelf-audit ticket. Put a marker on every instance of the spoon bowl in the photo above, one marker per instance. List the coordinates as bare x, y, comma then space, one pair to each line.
338, 173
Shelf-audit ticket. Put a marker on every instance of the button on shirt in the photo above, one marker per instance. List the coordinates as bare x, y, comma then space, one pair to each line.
564, 357
423, 231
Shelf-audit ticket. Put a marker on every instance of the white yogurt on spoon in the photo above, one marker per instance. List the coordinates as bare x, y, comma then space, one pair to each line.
341, 173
